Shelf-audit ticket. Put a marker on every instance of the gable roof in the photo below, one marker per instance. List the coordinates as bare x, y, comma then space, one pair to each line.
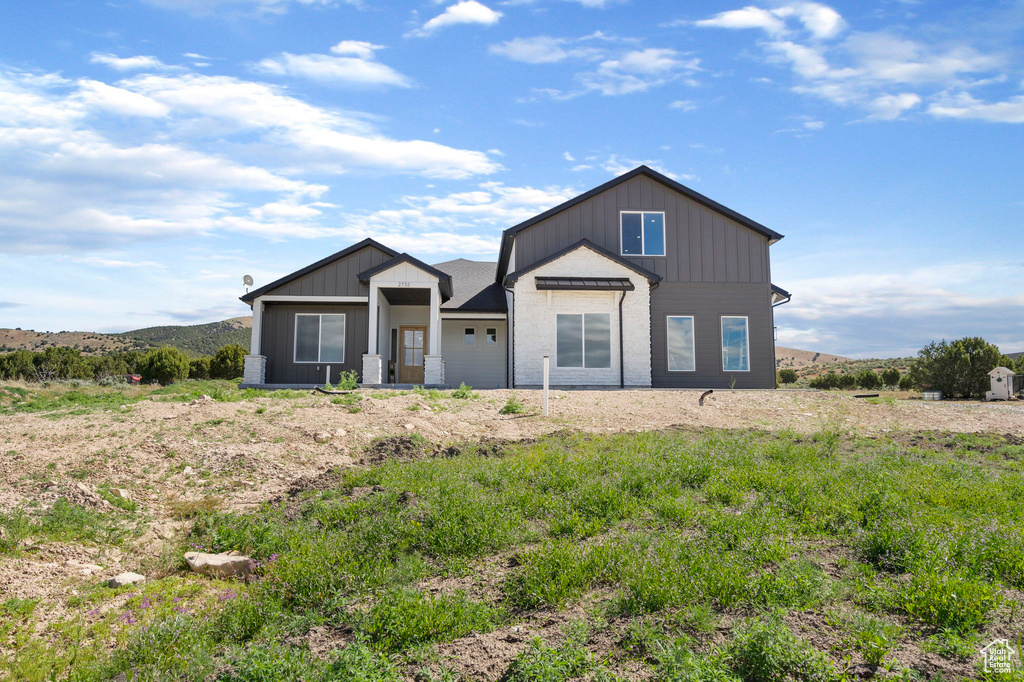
474, 287
652, 277
444, 280
252, 295
507, 235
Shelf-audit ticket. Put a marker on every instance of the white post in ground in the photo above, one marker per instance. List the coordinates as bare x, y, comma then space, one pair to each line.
547, 364
328, 380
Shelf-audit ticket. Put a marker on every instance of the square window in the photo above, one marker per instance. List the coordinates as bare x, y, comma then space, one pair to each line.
492, 336
319, 338
470, 336
642, 233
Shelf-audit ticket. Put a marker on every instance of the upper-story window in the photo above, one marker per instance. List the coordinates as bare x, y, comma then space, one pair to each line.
642, 233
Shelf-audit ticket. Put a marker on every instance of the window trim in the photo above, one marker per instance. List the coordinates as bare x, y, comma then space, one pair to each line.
319, 338
643, 240
583, 342
464, 335
693, 345
721, 342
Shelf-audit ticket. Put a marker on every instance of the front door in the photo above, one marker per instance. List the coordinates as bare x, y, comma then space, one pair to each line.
410, 354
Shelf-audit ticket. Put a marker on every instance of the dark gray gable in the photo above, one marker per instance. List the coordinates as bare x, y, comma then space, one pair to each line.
510, 233
336, 275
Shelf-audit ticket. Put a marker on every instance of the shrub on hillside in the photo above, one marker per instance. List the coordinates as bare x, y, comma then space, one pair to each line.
199, 368
848, 381
891, 378
787, 376
228, 362
868, 380
166, 365
18, 365
906, 383
957, 368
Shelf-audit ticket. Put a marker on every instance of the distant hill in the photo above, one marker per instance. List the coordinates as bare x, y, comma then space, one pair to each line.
198, 339
793, 358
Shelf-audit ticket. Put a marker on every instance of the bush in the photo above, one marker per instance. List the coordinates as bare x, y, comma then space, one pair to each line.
787, 376
891, 378
957, 368
228, 363
199, 368
825, 381
166, 365
868, 380
348, 381
766, 650
906, 383
512, 406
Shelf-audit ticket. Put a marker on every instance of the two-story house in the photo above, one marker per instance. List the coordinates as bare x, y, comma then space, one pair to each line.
640, 282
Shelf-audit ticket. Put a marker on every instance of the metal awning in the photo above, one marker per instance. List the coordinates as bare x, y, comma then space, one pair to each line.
585, 283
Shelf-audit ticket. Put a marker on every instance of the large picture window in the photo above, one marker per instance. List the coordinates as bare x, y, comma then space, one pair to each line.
584, 340
679, 331
642, 233
319, 338
735, 344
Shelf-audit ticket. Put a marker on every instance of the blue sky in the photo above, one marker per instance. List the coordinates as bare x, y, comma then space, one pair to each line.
154, 151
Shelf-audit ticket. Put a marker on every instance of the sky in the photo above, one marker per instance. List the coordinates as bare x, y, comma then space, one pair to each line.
152, 152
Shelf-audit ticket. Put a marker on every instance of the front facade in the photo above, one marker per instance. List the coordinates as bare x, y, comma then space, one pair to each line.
640, 282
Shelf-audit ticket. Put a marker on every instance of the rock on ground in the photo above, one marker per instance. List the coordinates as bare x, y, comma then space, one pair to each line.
218, 565
127, 578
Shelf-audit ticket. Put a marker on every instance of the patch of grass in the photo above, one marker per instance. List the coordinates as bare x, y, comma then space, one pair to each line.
953, 601
513, 406
766, 650
401, 619
464, 392
873, 637
540, 662
182, 509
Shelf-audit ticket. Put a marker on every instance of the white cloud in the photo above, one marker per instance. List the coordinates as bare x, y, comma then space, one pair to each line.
871, 70
137, 63
964, 106
75, 178
464, 12
890, 107
616, 166
542, 50
568, 157
355, 65
683, 105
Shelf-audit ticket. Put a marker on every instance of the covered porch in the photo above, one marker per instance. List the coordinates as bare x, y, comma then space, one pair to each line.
404, 330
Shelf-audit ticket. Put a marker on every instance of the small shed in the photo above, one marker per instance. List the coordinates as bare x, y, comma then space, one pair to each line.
1002, 384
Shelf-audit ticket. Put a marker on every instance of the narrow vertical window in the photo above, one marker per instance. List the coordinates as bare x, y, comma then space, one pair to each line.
492, 336
735, 344
632, 234
569, 330
470, 336
679, 332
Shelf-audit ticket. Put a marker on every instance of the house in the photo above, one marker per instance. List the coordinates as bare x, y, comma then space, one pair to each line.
641, 282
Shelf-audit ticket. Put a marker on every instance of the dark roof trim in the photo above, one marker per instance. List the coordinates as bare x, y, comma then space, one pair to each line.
782, 295
507, 235
584, 283
443, 278
653, 278
252, 295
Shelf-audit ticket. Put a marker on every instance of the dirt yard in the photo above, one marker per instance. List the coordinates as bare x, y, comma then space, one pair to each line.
173, 458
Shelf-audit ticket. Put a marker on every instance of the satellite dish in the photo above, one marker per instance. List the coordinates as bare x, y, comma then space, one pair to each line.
247, 280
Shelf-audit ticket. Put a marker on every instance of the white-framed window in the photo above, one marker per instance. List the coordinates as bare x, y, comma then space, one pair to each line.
735, 343
319, 337
469, 336
642, 233
681, 349
491, 336
583, 340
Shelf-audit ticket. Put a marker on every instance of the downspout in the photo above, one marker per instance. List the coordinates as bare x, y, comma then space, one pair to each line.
622, 366
510, 361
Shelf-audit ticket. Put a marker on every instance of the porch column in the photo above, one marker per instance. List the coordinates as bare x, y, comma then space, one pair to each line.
257, 327
371, 323
435, 320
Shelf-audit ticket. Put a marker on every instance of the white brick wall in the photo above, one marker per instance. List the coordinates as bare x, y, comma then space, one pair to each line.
372, 369
534, 322
254, 369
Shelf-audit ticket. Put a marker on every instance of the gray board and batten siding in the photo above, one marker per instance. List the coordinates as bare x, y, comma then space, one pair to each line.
701, 245
339, 277
279, 342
